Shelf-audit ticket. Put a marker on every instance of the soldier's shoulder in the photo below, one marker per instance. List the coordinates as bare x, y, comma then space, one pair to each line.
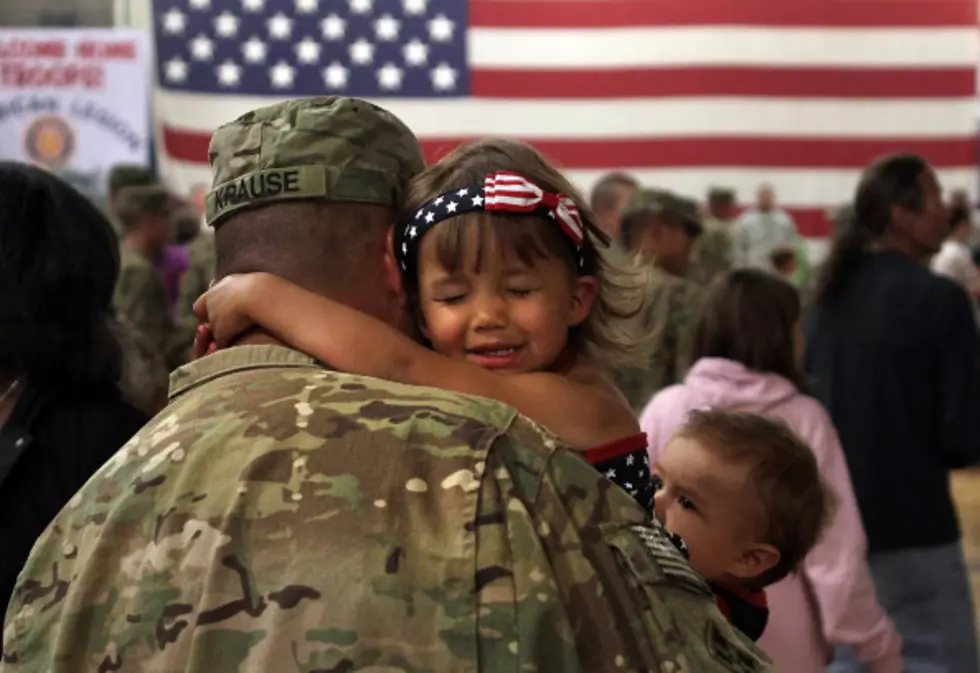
276, 392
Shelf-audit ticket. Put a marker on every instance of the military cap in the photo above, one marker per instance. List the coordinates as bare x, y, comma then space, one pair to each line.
152, 199
333, 148
128, 175
663, 203
721, 195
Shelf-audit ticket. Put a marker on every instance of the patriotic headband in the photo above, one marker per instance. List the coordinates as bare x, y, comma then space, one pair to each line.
501, 192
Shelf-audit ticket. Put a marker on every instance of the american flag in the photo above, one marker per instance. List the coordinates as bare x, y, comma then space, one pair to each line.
683, 94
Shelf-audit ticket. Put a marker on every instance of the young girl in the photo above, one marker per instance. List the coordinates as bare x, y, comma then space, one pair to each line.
499, 262
747, 358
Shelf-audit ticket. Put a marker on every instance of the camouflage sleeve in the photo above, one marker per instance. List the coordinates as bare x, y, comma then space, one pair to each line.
629, 600
139, 299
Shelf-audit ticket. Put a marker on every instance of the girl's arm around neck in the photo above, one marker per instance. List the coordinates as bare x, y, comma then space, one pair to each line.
584, 411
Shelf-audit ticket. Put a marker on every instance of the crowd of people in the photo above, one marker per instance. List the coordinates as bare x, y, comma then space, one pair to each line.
459, 417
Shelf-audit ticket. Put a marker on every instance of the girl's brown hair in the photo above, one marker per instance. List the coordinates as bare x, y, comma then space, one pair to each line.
603, 336
750, 316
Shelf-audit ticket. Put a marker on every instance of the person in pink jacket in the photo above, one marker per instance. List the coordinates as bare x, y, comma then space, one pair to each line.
747, 357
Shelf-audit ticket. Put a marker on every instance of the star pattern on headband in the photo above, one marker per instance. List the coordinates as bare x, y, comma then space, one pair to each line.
475, 198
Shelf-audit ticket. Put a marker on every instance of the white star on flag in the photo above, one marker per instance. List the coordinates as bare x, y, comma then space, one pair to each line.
335, 75
174, 22
281, 75
202, 48
386, 28
414, 7
175, 70
253, 5
254, 50
333, 27
361, 6
362, 52
441, 29
416, 52
226, 25
308, 51
229, 73
280, 26
443, 77
307, 6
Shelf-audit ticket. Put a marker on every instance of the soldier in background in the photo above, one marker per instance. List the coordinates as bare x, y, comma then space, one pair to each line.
140, 299
120, 177
660, 229
714, 251
250, 528
607, 200
195, 282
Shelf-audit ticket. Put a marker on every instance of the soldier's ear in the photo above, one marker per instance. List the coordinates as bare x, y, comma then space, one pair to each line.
392, 272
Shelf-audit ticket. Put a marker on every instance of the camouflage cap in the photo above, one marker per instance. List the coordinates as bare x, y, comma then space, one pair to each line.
128, 175
663, 203
333, 148
721, 195
134, 202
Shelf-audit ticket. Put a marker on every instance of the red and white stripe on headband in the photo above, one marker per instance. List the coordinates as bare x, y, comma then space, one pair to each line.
510, 192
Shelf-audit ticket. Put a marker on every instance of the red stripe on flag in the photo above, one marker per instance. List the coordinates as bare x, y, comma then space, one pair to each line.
735, 152
733, 81
192, 146
631, 13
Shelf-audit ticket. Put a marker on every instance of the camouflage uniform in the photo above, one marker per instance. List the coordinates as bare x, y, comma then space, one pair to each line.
666, 326
714, 252
141, 305
249, 527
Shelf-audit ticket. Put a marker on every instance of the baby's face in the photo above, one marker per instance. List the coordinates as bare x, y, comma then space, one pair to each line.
710, 504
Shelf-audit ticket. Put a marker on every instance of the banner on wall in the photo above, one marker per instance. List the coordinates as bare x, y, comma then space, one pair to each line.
75, 101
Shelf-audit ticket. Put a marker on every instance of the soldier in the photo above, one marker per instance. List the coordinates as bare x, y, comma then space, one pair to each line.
140, 299
607, 201
660, 228
250, 527
194, 283
714, 252
122, 176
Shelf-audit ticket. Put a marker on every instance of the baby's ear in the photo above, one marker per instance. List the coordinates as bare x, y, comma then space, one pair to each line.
756, 560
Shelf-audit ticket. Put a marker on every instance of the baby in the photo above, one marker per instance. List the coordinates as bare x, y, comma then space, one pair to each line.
742, 498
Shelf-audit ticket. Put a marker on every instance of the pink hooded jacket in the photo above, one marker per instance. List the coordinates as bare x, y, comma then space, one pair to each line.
832, 599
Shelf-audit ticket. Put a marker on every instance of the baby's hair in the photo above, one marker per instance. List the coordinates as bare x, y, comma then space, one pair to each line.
782, 256
604, 336
783, 475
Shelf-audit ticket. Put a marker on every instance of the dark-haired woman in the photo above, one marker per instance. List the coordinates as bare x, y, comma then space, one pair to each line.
748, 349
895, 358
62, 414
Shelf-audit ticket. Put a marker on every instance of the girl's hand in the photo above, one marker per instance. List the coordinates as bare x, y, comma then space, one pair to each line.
203, 342
224, 308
